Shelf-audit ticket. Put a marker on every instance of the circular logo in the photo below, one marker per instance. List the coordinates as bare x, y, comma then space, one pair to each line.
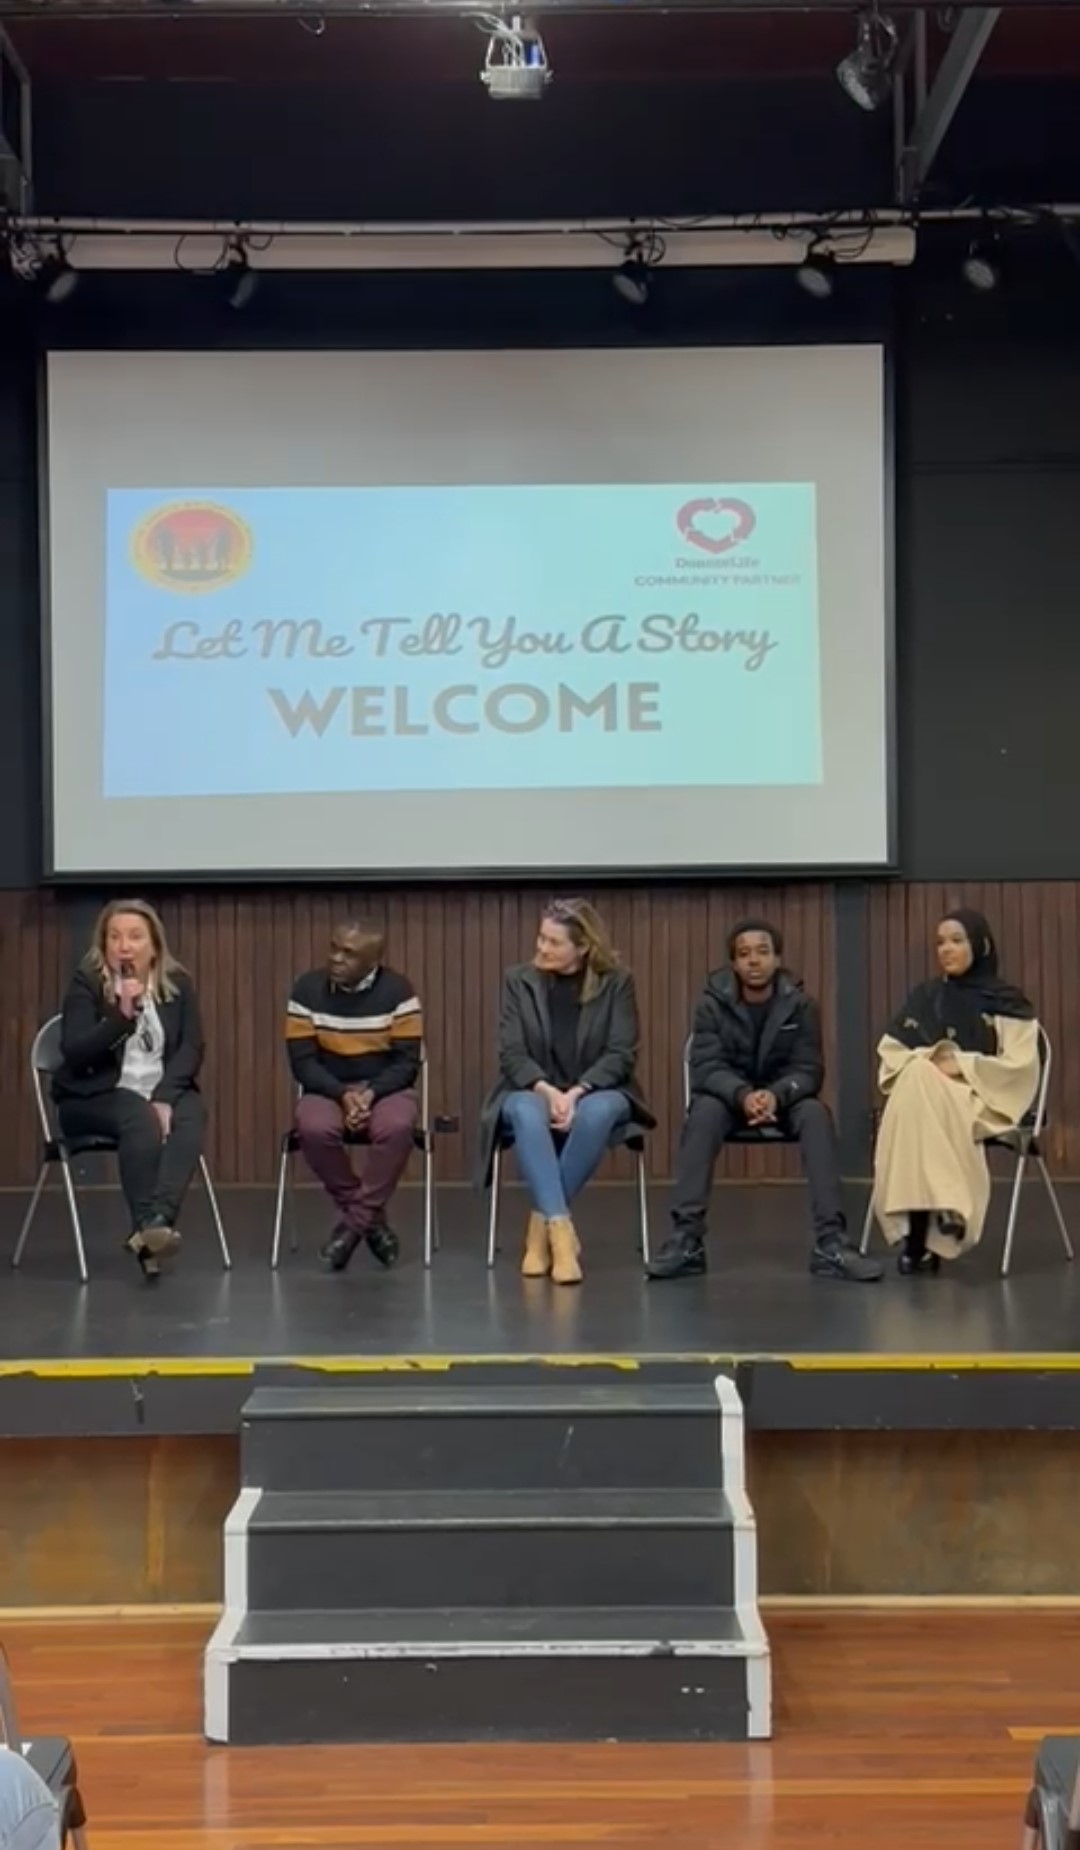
716, 526
192, 546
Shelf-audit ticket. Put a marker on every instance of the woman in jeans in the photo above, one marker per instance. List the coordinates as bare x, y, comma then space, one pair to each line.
132, 1047
568, 1039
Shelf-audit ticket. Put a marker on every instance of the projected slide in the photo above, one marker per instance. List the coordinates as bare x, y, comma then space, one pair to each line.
467, 638
531, 612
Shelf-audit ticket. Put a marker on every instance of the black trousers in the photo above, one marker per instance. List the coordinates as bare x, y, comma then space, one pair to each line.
154, 1171
708, 1125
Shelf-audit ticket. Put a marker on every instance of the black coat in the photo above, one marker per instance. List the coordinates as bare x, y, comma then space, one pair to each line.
93, 1035
607, 1043
788, 1059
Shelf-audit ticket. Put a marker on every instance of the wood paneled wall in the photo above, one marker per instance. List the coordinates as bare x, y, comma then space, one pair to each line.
244, 947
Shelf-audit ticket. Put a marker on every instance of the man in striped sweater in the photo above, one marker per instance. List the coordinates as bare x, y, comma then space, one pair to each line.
353, 1032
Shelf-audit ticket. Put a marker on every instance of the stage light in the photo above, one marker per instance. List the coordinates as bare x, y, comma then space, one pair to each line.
56, 279
980, 270
516, 69
866, 74
631, 281
242, 279
816, 274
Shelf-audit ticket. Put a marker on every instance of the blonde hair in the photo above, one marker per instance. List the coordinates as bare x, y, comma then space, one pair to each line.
165, 968
588, 934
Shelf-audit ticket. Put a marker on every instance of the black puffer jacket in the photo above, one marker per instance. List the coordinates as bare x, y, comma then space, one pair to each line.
787, 1061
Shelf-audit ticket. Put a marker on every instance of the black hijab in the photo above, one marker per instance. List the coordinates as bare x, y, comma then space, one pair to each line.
962, 1008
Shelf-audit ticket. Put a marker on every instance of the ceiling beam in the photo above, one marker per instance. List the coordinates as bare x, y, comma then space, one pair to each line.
931, 124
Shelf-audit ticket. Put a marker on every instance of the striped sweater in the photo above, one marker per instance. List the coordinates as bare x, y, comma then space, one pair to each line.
342, 1039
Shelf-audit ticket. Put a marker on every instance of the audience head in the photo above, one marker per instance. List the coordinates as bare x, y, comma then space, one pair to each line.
130, 932
755, 948
572, 937
965, 945
356, 950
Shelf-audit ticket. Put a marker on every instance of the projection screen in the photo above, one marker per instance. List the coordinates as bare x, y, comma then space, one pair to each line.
430, 613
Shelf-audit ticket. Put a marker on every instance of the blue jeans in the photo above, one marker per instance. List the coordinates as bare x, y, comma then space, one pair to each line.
556, 1166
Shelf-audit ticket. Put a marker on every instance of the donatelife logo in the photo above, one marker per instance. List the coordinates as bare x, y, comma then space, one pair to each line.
192, 546
716, 526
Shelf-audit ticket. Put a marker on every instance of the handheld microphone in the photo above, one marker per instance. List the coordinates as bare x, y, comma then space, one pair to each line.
127, 975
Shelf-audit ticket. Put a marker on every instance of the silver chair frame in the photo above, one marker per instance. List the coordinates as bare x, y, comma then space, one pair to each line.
423, 1140
1023, 1141
634, 1142
43, 1063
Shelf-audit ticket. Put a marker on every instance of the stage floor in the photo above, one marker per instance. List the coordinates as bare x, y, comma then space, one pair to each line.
757, 1300
963, 1351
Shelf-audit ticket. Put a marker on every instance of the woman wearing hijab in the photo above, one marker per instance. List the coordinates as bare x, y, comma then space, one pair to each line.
959, 1064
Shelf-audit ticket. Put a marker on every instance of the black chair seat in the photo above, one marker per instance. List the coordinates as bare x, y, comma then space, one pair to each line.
53, 1760
80, 1146
762, 1133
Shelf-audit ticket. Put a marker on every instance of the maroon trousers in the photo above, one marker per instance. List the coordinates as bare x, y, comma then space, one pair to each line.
360, 1199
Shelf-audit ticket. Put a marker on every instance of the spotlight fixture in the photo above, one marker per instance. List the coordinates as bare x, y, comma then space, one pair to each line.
516, 69
866, 74
631, 281
980, 269
241, 280
56, 279
816, 273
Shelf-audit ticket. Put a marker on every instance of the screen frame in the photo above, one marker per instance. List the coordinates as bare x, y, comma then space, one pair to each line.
384, 878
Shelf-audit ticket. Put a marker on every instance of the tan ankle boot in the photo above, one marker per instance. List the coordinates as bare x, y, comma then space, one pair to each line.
537, 1260
565, 1252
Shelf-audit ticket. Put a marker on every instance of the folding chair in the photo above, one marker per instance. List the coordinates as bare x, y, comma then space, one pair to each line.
1052, 1812
626, 1136
51, 1758
45, 1058
423, 1140
1023, 1142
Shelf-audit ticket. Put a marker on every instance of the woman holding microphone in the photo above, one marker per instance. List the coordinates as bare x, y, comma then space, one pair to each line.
132, 1046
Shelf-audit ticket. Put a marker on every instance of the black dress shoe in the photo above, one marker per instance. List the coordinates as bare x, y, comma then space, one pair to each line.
834, 1258
339, 1248
682, 1256
914, 1257
908, 1263
384, 1243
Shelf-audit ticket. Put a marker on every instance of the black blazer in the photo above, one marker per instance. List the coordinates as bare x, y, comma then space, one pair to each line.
607, 1047
787, 1061
93, 1034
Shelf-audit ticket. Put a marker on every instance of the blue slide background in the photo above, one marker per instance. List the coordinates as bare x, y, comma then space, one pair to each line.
553, 557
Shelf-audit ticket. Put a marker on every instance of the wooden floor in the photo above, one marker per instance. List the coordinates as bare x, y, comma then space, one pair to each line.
893, 1729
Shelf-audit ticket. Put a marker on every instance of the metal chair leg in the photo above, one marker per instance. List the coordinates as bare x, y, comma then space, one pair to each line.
868, 1223
493, 1210
76, 1224
1056, 1205
1014, 1209
211, 1196
429, 1199
24, 1231
279, 1210
643, 1208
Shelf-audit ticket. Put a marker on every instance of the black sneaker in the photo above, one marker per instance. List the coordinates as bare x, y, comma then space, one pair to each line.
682, 1256
339, 1248
836, 1259
384, 1243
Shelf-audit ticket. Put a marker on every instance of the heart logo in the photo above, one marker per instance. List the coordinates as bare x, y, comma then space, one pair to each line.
728, 524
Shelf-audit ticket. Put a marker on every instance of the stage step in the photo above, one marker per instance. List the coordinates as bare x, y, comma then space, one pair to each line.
490, 1548
488, 1675
616, 1434
430, 1560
